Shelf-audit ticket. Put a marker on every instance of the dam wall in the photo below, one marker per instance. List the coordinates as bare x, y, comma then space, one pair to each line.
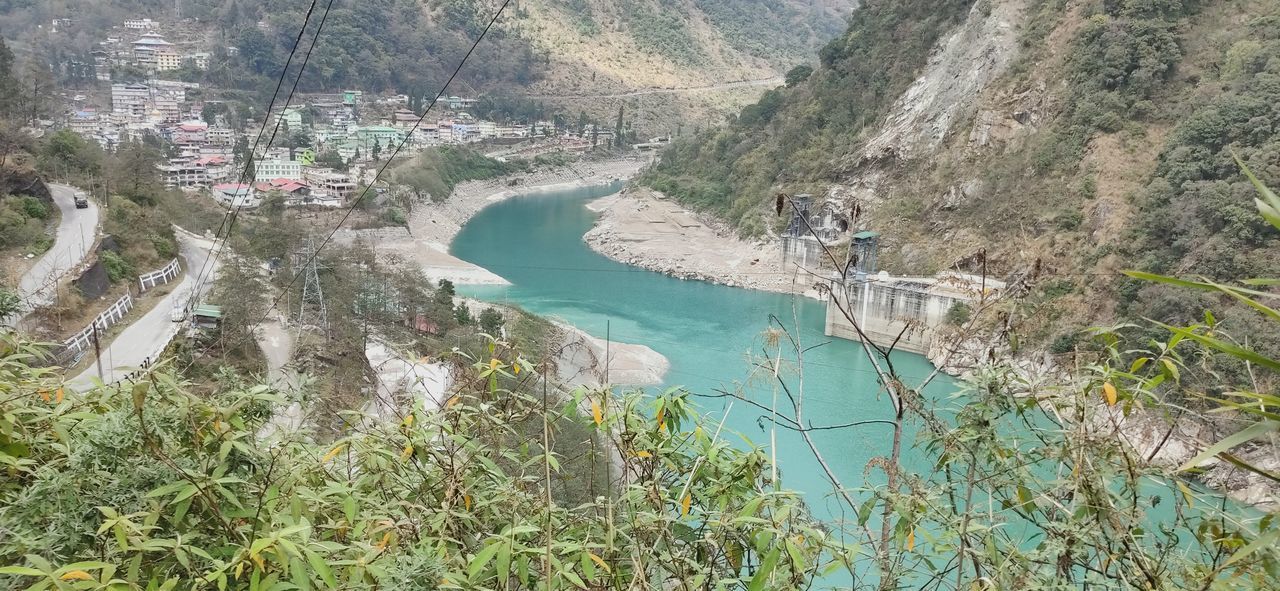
906, 313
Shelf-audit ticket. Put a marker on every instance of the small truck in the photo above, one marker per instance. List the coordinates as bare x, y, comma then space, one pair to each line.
82, 200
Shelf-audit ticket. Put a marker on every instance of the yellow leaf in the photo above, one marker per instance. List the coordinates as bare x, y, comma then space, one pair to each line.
599, 561
333, 453
408, 420
408, 451
596, 413
453, 401
239, 569
58, 396
262, 566
76, 575
1109, 393
685, 503
643, 454
386, 541
494, 363
662, 412
662, 425
911, 540
466, 501
516, 368
44, 395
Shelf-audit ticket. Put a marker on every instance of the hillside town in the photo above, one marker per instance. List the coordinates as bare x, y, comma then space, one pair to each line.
325, 145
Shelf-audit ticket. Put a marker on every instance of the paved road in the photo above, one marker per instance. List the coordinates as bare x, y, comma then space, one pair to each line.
146, 337
72, 242
774, 81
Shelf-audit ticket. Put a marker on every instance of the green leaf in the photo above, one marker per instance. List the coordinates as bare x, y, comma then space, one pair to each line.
299, 575
1268, 203
25, 571
1250, 433
1225, 347
767, 565
321, 568
574, 578
481, 560
1263, 541
864, 512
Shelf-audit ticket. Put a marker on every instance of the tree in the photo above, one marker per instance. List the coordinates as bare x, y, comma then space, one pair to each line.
491, 321
444, 293
10, 303
7, 80
798, 74
134, 174
618, 129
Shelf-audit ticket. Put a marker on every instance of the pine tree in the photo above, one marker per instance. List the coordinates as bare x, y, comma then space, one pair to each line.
617, 131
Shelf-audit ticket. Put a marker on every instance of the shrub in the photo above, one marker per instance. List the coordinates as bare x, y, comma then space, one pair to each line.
958, 314
118, 269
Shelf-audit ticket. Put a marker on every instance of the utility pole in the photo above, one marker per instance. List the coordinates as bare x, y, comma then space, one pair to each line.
97, 349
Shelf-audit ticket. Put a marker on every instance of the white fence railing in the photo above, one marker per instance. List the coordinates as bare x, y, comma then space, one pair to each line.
83, 340
149, 280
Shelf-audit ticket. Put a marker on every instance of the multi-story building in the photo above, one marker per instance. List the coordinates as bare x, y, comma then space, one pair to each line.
189, 133
85, 123
220, 135
140, 24
268, 170
199, 61
130, 100
147, 50
167, 59
200, 172
383, 138
329, 181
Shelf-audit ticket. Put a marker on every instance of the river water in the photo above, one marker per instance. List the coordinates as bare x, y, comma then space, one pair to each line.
713, 337
712, 334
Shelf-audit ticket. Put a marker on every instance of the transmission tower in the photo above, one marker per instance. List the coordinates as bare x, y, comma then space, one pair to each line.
311, 292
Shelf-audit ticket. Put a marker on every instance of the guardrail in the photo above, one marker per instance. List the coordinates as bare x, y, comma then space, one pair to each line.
83, 340
149, 280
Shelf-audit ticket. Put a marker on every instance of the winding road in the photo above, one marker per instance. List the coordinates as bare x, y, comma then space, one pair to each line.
147, 336
773, 81
73, 240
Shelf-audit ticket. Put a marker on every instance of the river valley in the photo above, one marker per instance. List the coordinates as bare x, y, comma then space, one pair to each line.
712, 334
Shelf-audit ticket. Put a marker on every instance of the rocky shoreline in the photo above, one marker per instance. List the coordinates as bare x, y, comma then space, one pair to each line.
643, 228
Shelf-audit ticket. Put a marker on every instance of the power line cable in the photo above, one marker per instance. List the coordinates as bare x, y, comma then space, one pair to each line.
228, 219
383, 168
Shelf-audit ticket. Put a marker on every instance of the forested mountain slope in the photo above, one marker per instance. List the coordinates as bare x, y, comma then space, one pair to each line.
1065, 139
561, 47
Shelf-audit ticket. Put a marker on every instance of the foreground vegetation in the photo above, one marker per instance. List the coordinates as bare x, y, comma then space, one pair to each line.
510, 484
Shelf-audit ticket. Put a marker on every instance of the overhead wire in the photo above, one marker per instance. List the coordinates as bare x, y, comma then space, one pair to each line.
360, 198
228, 220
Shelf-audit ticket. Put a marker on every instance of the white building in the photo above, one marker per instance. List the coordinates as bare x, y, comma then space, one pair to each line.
140, 24
198, 60
130, 100
268, 170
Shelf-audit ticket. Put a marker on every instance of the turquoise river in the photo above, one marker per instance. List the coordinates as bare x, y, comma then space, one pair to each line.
712, 334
